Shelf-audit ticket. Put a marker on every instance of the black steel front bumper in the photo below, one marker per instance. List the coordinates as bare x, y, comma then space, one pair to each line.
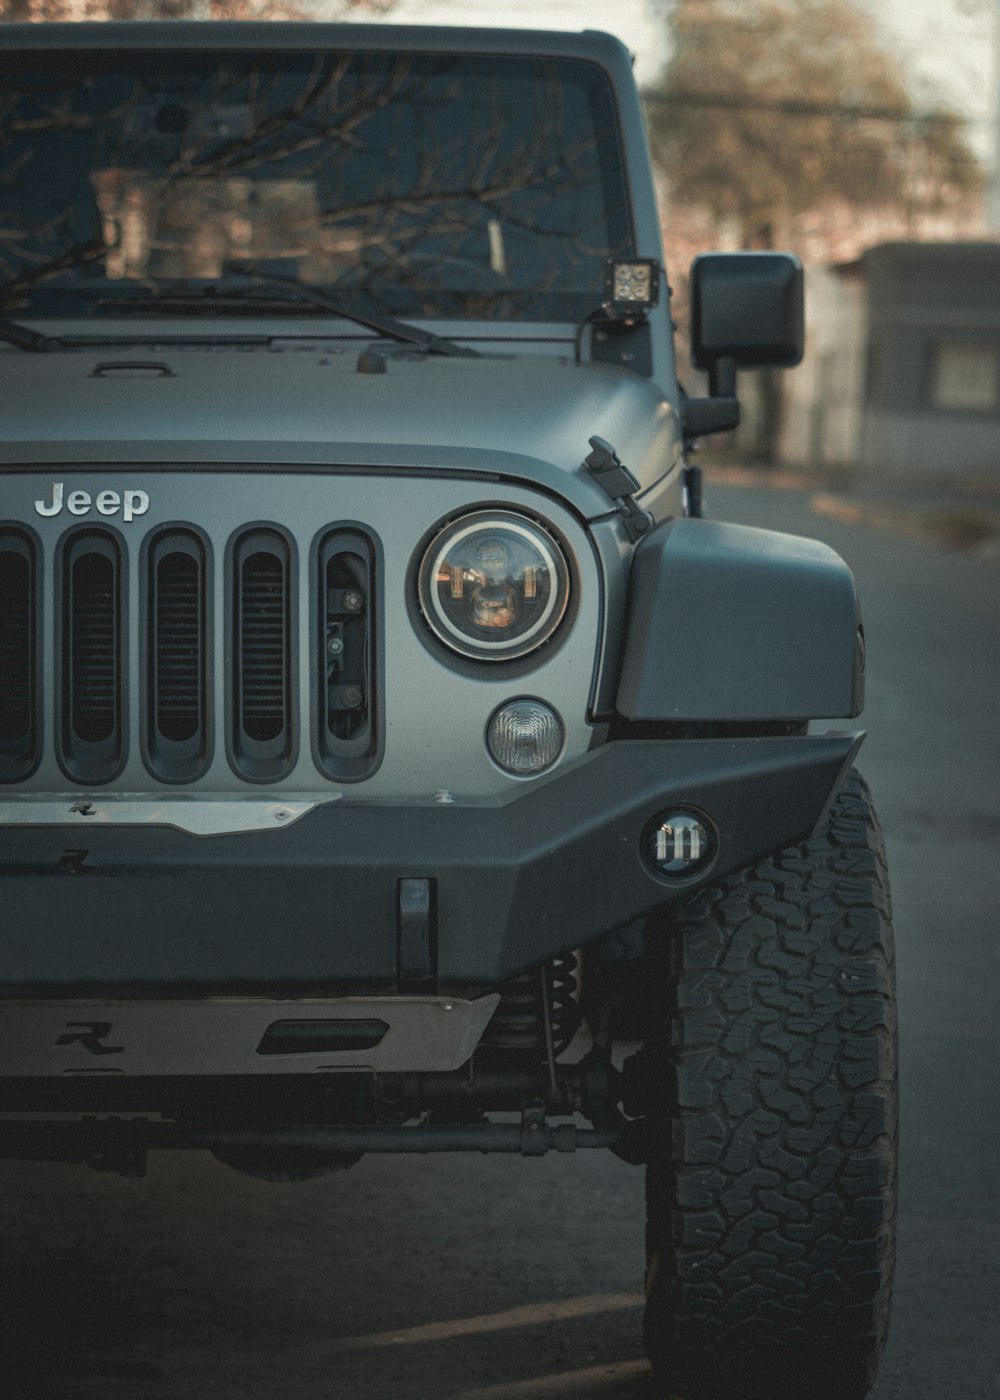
354, 897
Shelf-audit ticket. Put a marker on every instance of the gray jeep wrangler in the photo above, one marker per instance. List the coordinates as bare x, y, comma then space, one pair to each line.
391, 757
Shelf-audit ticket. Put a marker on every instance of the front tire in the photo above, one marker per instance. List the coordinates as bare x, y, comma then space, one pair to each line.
771, 1169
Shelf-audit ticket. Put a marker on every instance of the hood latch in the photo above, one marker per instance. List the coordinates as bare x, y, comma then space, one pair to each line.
618, 483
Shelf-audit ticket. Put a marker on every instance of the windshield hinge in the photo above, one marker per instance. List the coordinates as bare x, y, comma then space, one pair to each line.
618, 483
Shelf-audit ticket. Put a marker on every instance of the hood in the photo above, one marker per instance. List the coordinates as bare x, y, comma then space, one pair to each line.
527, 417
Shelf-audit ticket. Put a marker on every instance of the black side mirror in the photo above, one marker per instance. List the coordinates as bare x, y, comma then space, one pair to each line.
747, 312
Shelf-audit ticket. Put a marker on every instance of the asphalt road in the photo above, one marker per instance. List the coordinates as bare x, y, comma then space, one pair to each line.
497, 1279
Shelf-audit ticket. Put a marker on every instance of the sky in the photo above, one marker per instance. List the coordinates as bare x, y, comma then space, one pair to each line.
954, 46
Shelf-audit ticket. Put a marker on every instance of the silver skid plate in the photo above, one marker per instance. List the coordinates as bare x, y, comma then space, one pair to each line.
199, 816
224, 1036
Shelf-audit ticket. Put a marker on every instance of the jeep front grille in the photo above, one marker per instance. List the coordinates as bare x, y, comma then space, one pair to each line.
214, 673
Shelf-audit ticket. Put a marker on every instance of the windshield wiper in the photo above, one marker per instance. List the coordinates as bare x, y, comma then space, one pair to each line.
301, 292
66, 261
25, 338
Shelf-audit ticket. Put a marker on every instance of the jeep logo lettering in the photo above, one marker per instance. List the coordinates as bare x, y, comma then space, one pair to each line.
130, 503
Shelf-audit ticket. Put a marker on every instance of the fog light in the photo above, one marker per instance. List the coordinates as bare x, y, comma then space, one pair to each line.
678, 845
524, 737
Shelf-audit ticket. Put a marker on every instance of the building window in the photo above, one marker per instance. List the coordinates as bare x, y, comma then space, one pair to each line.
966, 376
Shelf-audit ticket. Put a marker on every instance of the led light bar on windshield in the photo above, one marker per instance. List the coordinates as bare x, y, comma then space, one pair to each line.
632, 288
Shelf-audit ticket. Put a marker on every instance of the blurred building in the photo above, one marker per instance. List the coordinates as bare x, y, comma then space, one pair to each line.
902, 369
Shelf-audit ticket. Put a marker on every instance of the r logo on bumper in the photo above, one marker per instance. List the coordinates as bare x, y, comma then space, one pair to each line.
89, 1034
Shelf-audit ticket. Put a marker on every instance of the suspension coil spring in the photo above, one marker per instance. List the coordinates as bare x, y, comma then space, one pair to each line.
519, 1021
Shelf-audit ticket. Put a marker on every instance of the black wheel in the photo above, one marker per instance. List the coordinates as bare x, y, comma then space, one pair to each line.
771, 1168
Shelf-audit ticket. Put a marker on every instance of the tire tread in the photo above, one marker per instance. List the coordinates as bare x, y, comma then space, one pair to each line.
771, 1183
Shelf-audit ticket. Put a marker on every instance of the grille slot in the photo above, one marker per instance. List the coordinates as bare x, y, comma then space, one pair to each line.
263, 646
264, 730
346, 729
92, 746
94, 648
177, 708
19, 678
178, 647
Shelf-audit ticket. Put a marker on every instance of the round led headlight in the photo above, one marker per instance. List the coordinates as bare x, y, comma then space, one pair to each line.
494, 585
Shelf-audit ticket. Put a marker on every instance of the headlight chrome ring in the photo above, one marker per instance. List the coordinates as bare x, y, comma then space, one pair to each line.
494, 585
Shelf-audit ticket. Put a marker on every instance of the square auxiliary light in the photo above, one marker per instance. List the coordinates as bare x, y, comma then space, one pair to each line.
632, 288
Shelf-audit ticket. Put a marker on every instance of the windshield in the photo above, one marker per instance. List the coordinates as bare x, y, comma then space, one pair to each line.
431, 185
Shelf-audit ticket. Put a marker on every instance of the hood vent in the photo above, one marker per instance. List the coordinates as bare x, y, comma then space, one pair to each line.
177, 738
19, 682
264, 737
92, 745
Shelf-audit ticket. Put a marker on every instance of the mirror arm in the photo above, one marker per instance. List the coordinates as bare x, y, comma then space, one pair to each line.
722, 377
720, 412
